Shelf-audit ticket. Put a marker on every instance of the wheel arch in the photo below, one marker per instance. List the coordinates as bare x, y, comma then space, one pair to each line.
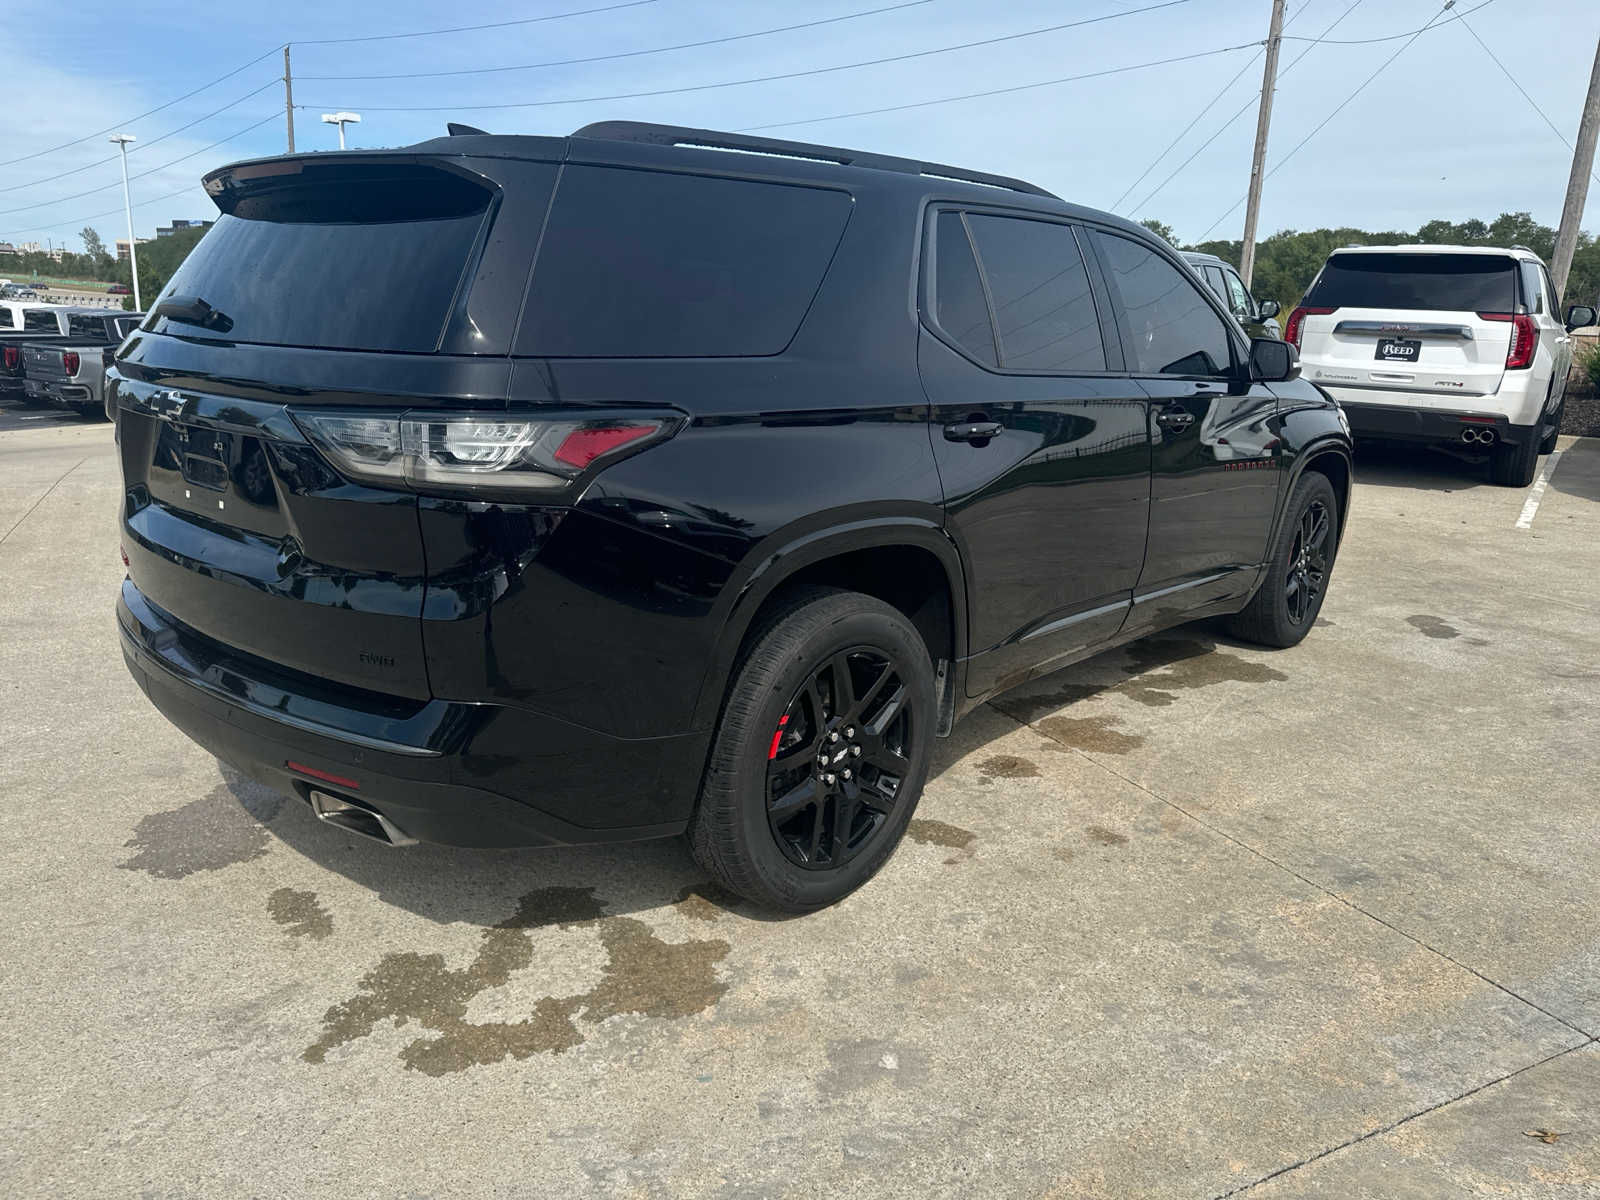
909, 563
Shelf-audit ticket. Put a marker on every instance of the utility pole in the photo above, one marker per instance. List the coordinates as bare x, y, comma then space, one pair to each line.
288, 97
122, 140
1269, 84
1578, 183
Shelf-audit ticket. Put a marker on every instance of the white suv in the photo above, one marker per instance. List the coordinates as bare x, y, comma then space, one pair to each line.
1457, 344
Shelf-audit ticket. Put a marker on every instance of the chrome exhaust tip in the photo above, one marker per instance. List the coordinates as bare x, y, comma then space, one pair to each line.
358, 818
1485, 437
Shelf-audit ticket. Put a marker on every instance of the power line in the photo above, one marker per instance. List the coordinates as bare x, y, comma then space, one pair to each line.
1198, 117
110, 212
868, 112
389, 37
1553, 128
142, 174
1341, 107
567, 62
1228, 124
1395, 37
130, 120
141, 146
705, 87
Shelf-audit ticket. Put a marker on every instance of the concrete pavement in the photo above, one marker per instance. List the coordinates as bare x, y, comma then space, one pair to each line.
1192, 919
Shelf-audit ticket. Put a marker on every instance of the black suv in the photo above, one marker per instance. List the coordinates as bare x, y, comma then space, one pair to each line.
519, 490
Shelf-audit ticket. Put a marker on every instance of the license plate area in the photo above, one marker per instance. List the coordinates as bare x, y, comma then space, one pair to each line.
1398, 350
204, 454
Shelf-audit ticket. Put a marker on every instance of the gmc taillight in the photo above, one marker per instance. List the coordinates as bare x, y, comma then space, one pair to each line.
13, 357
1297, 320
1524, 338
69, 360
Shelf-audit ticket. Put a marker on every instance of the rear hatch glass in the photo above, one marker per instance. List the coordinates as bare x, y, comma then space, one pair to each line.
347, 257
1433, 282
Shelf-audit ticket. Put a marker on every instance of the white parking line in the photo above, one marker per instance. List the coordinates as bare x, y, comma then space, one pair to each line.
1531, 507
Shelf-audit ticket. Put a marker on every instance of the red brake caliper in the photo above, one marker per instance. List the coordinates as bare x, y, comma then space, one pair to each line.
777, 737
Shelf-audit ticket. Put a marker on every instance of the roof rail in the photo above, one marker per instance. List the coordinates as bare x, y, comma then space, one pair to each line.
679, 135
1529, 249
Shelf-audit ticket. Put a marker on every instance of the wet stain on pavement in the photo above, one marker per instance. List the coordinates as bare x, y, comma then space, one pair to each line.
1102, 836
1157, 668
704, 901
300, 913
1092, 734
216, 831
937, 833
642, 975
1007, 766
1432, 627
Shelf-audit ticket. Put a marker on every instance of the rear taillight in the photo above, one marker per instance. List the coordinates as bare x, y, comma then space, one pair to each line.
1524, 338
480, 453
1297, 320
13, 357
69, 360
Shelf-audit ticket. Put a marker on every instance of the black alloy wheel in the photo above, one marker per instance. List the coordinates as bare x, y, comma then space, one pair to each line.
1295, 582
838, 761
1308, 562
821, 751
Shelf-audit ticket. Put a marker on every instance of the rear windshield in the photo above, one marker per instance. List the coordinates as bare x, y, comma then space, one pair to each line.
90, 327
646, 264
356, 259
1452, 282
36, 319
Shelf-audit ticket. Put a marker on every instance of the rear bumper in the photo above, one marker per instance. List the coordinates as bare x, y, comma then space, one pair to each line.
1393, 423
62, 392
441, 771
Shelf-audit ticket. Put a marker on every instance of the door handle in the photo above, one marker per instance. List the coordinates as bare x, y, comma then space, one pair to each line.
1174, 419
972, 431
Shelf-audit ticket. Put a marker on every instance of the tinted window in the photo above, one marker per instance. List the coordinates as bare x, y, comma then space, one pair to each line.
1451, 282
91, 327
125, 326
644, 264
959, 306
1214, 279
358, 259
36, 319
1043, 309
1168, 327
1532, 287
1237, 298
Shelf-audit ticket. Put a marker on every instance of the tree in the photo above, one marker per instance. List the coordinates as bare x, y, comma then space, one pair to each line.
1160, 229
95, 251
158, 261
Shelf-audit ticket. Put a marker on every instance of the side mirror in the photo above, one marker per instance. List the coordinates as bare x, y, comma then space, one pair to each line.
1272, 361
1580, 315
1266, 310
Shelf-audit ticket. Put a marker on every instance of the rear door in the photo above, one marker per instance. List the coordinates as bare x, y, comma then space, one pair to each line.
323, 285
1215, 463
1041, 440
1411, 322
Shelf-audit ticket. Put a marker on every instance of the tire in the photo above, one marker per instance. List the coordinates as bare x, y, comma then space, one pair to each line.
1514, 465
1548, 444
1286, 604
780, 715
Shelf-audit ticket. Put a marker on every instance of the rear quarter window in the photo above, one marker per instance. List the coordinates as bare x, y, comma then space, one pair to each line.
1446, 282
648, 264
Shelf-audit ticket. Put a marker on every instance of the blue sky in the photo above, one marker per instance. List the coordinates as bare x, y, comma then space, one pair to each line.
1440, 133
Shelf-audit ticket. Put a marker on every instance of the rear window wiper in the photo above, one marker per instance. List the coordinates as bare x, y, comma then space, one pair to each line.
192, 310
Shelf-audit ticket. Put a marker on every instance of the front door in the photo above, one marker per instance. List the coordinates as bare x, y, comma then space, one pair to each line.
1215, 460
1042, 444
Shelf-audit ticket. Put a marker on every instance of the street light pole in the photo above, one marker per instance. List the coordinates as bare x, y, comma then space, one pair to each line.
122, 140
341, 119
